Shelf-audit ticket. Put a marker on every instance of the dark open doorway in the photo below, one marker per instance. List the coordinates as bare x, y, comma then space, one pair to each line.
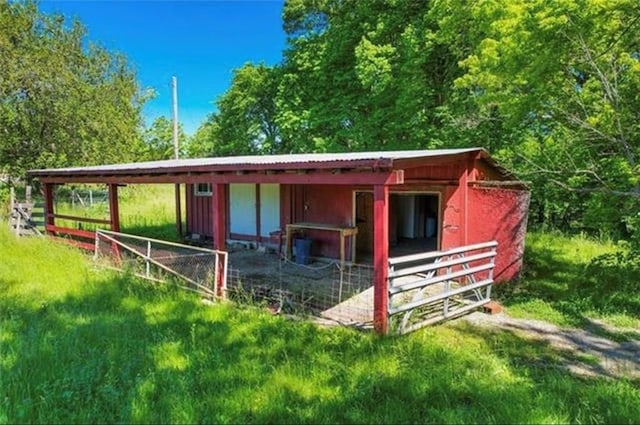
413, 223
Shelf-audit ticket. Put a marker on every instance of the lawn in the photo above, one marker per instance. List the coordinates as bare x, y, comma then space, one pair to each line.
79, 344
562, 283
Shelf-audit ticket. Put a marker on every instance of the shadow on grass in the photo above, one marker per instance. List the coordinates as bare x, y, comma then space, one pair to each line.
570, 288
128, 351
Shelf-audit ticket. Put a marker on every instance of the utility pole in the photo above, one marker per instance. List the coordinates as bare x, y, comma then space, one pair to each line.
174, 87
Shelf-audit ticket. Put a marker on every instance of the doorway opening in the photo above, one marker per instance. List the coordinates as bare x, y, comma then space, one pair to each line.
414, 223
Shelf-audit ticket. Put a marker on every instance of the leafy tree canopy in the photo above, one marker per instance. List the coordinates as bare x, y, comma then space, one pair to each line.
63, 100
158, 141
550, 88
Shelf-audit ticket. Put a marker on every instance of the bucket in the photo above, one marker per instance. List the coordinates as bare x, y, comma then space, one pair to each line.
303, 249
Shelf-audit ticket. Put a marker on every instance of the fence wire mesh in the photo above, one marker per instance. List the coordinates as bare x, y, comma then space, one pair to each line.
199, 268
321, 289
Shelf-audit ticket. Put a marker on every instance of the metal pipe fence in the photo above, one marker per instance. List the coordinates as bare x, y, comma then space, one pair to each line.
430, 287
203, 270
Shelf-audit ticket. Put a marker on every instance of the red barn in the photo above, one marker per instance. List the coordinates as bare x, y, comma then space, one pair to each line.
364, 206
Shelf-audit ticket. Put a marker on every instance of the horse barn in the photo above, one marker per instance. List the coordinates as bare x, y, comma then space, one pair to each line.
434, 227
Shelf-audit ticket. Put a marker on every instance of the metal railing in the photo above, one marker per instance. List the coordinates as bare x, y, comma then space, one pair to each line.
205, 270
431, 287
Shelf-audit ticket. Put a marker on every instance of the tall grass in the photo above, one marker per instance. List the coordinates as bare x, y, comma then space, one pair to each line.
147, 209
565, 282
81, 346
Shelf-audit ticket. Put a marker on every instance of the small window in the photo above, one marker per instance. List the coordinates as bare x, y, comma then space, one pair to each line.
202, 189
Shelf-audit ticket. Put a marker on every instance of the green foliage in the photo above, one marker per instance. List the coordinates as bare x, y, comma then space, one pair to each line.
145, 209
202, 142
158, 141
549, 88
63, 100
565, 75
613, 277
86, 346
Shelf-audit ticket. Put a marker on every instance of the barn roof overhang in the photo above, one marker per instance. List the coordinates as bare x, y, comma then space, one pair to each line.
386, 168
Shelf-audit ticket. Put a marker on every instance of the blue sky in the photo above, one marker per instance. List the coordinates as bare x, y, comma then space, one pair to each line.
199, 42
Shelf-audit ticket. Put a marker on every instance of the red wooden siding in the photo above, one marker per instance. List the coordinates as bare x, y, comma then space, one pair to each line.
330, 205
433, 172
198, 213
500, 214
468, 214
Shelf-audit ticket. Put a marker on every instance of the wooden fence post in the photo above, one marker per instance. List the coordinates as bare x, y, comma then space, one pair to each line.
380, 258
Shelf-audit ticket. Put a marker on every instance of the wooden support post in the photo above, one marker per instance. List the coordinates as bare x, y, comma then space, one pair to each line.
178, 211
49, 219
258, 223
380, 258
219, 209
463, 186
114, 212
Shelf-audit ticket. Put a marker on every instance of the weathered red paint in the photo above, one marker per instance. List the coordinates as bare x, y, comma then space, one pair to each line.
311, 177
199, 213
49, 212
380, 258
329, 205
464, 202
258, 223
178, 210
451, 235
219, 208
219, 215
500, 214
114, 211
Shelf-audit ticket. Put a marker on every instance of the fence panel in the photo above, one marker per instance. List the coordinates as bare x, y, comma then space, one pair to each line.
203, 270
431, 287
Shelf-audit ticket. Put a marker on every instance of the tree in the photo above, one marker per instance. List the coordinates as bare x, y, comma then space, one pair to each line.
158, 141
566, 76
201, 143
244, 122
376, 74
63, 101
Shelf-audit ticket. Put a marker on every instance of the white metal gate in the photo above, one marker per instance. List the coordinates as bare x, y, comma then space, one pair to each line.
431, 287
204, 270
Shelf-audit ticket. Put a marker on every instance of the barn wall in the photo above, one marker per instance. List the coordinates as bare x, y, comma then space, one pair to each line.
452, 225
485, 171
199, 218
330, 204
434, 172
500, 214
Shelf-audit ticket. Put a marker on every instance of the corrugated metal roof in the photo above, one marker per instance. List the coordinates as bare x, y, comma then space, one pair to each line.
261, 160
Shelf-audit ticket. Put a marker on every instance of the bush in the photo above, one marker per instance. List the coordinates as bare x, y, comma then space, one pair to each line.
613, 281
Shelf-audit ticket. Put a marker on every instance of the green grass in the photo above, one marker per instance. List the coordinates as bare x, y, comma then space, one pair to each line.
84, 346
560, 284
147, 209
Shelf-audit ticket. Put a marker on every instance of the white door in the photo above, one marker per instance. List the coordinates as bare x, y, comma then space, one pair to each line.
269, 208
242, 208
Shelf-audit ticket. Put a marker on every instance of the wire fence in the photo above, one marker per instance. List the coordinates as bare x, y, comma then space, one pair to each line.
202, 270
325, 290
322, 289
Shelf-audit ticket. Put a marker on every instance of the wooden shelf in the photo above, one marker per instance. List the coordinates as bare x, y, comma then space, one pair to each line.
344, 232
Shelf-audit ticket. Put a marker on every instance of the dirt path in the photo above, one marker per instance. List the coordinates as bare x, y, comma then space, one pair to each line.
590, 353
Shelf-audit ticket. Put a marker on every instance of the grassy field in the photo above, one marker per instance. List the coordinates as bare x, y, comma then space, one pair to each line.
85, 345
562, 284
146, 209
